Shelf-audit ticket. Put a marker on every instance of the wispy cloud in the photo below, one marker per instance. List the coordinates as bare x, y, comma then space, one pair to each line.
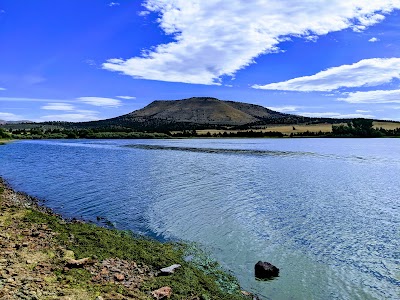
335, 115
284, 109
362, 111
72, 117
214, 38
373, 97
143, 13
111, 4
373, 40
99, 101
58, 106
10, 116
367, 72
126, 97
27, 99
2, 89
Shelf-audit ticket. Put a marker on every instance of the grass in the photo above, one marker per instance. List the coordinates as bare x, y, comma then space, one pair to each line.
4, 141
300, 128
193, 281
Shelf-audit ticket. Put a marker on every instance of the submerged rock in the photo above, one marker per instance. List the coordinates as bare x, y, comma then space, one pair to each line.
265, 270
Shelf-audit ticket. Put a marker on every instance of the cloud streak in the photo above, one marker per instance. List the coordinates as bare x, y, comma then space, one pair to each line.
99, 101
126, 97
215, 38
367, 72
58, 106
335, 115
9, 116
71, 117
284, 109
373, 97
95, 101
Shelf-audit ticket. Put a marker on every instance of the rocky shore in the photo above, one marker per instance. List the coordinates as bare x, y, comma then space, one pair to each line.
43, 256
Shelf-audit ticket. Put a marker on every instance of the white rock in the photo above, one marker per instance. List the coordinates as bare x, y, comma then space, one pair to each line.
170, 270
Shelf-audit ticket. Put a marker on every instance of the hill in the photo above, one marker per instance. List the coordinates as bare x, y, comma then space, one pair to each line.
202, 110
196, 113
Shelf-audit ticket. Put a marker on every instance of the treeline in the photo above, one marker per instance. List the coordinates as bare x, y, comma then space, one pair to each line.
99, 133
362, 128
248, 134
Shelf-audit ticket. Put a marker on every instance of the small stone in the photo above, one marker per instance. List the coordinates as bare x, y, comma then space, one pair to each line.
28, 261
162, 293
99, 298
119, 277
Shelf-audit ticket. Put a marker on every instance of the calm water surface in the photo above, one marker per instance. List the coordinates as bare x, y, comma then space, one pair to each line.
325, 211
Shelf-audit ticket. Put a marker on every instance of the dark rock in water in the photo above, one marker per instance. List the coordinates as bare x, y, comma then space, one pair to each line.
265, 270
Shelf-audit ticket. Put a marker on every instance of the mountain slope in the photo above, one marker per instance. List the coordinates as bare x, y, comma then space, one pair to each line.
202, 110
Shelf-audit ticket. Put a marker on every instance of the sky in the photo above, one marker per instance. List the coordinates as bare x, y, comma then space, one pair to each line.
74, 60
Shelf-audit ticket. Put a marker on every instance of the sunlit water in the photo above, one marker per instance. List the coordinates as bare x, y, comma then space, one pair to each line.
325, 211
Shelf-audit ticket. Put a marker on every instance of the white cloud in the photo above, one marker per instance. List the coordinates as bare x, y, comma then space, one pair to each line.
284, 109
75, 117
9, 116
335, 115
373, 97
111, 4
126, 97
362, 111
2, 89
373, 40
214, 38
143, 13
366, 72
58, 106
98, 101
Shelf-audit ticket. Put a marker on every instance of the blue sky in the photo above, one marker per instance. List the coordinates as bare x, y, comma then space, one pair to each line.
86, 60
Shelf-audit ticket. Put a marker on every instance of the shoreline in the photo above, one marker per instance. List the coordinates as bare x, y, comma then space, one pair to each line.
44, 256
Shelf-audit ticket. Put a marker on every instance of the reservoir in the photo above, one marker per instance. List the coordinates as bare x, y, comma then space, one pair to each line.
324, 211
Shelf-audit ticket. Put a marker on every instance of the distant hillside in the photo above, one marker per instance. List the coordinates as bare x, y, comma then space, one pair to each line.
202, 110
194, 113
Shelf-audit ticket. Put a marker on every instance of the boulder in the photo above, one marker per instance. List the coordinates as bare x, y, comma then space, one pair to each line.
265, 270
162, 293
79, 263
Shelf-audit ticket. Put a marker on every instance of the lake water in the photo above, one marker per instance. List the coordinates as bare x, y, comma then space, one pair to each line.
325, 211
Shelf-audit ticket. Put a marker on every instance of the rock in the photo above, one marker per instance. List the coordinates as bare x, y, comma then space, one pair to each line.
169, 270
78, 263
119, 277
162, 293
68, 254
99, 298
265, 270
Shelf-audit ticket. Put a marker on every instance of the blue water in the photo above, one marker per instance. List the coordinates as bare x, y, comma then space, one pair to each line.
325, 211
